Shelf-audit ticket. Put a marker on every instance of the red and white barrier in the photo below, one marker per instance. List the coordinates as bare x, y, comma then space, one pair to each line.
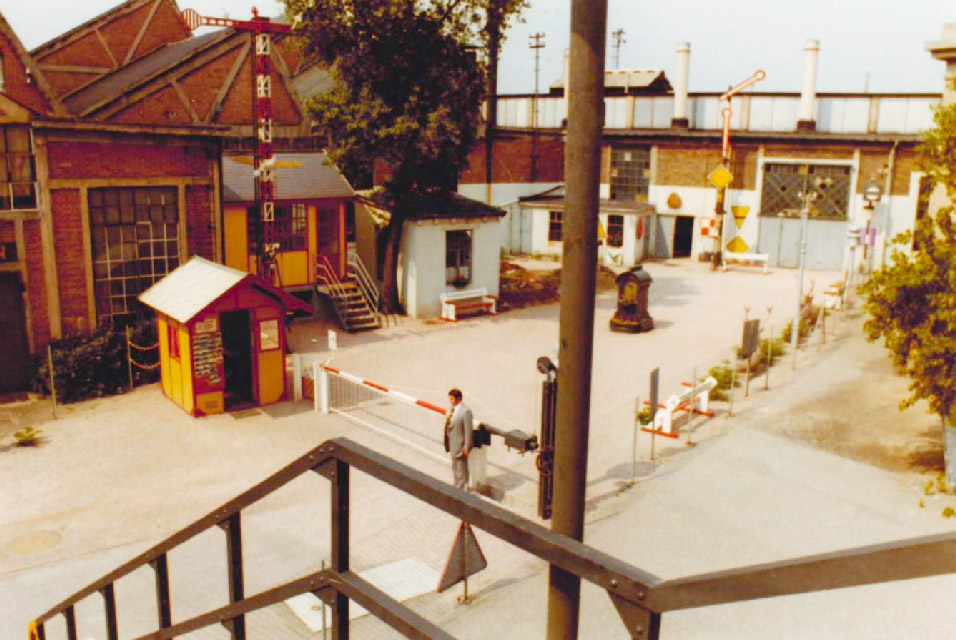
323, 404
694, 399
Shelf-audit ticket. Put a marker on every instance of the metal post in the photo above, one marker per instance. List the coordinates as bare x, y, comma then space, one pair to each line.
733, 380
654, 386
637, 423
766, 382
585, 90
163, 609
340, 546
233, 529
693, 405
129, 360
795, 332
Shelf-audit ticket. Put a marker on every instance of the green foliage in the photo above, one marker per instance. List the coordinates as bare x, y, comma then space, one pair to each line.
407, 89
95, 366
723, 374
948, 512
644, 416
27, 437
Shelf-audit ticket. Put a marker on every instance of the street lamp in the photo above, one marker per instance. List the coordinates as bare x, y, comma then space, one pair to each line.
819, 185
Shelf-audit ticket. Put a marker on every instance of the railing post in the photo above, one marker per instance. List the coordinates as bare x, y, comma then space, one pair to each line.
233, 528
109, 603
70, 617
340, 546
161, 568
321, 377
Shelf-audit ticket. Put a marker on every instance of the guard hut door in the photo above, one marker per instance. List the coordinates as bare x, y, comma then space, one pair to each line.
683, 236
237, 358
13, 347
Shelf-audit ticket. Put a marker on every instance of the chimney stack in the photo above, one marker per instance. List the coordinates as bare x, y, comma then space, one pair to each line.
805, 121
680, 87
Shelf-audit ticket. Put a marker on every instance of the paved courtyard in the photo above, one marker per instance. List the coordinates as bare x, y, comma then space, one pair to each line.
117, 475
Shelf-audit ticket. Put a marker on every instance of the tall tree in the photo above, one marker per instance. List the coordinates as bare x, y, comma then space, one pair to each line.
912, 301
407, 95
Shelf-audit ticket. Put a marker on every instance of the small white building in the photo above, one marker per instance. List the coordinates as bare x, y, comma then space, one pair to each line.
450, 243
538, 225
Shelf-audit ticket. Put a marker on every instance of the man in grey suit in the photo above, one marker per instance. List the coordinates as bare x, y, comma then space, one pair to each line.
458, 437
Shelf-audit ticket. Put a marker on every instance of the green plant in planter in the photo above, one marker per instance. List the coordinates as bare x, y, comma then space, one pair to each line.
723, 374
644, 416
27, 437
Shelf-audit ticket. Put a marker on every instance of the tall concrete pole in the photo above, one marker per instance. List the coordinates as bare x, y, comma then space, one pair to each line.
582, 163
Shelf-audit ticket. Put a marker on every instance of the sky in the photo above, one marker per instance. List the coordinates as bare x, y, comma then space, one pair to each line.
879, 44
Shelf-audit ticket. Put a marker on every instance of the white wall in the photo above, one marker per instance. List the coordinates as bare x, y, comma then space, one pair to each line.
700, 202
506, 195
422, 269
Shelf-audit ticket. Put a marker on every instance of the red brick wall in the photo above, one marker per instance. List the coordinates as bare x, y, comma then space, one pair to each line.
145, 160
8, 232
70, 259
162, 107
36, 285
514, 160
202, 86
15, 80
199, 226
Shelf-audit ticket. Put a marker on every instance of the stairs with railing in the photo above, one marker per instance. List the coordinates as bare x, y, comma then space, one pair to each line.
355, 297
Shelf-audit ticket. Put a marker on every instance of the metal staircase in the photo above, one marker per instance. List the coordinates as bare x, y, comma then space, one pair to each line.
355, 297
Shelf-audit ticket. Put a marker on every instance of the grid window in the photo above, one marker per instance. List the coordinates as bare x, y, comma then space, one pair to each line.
615, 231
630, 173
458, 257
785, 186
555, 225
135, 238
290, 224
17, 169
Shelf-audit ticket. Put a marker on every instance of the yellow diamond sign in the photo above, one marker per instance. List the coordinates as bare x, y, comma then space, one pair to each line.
721, 177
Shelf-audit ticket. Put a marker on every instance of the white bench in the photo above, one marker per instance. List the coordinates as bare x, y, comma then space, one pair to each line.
747, 258
457, 303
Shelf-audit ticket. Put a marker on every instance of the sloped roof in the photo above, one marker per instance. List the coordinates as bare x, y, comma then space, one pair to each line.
436, 205
190, 288
31, 66
554, 198
299, 176
116, 84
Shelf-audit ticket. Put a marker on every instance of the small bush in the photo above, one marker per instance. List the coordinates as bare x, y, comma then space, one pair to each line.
723, 374
95, 366
27, 437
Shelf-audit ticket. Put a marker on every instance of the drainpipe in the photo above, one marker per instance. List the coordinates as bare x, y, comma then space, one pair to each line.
805, 121
680, 120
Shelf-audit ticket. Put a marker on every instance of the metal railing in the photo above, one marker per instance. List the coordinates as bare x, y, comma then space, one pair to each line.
326, 276
639, 597
365, 282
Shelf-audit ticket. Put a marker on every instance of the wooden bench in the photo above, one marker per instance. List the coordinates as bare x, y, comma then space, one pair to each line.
455, 304
747, 258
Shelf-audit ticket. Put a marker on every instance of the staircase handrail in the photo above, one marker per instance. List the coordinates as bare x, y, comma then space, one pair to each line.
325, 274
366, 284
639, 596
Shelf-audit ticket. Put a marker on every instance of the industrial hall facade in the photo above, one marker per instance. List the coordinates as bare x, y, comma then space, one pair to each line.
112, 140
662, 144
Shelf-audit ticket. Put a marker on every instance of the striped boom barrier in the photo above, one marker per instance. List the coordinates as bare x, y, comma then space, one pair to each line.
398, 395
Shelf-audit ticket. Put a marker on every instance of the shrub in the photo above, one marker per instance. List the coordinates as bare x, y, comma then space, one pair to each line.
95, 366
723, 374
27, 437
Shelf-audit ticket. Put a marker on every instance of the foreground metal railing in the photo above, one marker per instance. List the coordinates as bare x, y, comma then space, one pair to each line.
640, 597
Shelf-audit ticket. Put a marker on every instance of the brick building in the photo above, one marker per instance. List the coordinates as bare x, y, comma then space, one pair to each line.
111, 139
661, 145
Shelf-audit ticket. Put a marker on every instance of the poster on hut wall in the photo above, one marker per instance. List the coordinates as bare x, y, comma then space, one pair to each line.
207, 356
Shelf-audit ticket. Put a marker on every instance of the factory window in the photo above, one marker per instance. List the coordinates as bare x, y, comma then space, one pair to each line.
615, 231
786, 185
17, 170
630, 173
134, 234
554, 226
458, 257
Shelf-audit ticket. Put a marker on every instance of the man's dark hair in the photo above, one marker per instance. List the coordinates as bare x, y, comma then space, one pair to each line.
456, 394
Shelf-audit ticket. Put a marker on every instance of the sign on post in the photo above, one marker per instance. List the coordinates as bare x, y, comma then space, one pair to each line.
751, 337
333, 340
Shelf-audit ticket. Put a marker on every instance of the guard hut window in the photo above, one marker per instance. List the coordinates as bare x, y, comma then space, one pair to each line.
291, 227
458, 257
630, 173
785, 186
615, 231
555, 224
134, 234
17, 169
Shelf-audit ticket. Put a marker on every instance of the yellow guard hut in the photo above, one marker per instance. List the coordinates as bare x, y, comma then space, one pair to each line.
222, 337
